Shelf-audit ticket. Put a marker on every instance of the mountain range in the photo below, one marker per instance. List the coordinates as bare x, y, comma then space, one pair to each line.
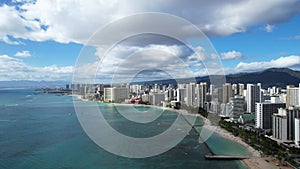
32, 84
270, 77
280, 77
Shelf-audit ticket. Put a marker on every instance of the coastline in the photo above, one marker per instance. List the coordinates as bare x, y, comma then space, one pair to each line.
78, 97
254, 162
225, 134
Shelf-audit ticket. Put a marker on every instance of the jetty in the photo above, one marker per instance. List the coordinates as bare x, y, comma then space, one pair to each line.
222, 157
198, 125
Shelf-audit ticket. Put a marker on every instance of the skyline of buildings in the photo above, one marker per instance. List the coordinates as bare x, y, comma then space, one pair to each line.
230, 101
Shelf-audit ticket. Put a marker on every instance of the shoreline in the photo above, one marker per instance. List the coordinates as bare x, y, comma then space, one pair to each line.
229, 136
78, 97
255, 155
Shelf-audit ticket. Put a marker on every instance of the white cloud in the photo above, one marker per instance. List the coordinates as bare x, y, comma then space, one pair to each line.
16, 69
122, 63
287, 61
297, 37
155, 59
14, 25
9, 41
76, 21
269, 28
24, 53
231, 55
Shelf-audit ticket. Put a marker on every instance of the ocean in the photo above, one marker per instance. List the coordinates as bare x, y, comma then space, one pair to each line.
41, 131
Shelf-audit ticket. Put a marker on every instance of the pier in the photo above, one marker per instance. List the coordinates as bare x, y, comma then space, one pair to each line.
220, 157
198, 125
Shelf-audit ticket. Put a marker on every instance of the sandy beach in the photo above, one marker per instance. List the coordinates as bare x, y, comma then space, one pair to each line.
224, 133
78, 97
264, 163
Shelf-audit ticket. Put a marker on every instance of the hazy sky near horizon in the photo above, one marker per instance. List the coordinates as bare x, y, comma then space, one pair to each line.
41, 40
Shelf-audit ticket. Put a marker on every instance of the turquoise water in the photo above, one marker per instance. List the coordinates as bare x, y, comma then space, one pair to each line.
248, 117
222, 146
42, 131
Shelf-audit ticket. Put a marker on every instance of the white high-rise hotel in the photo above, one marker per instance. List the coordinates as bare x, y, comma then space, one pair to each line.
292, 95
195, 94
201, 94
297, 131
190, 94
115, 94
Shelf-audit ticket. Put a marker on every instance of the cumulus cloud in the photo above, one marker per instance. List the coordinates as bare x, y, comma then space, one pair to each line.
287, 61
75, 21
13, 25
269, 28
15, 69
7, 40
124, 63
24, 53
231, 55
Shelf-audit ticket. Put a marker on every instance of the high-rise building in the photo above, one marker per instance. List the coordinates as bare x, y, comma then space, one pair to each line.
180, 94
236, 108
135, 88
219, 95
83, 90
181, 86
225, 110
279, 125
211, 89
241, 89
213, 93
200, 91
292, 113
292, 96
227, 92
238, 89
156, 98
115, 94
297, 131
286, 124
145, 98
264, 112
190, 94
235, 89
67, 87
169, 94
75, 87
253, 96
275, 99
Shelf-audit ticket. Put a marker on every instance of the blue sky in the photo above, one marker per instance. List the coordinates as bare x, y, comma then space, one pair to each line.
41, 40
259, 45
